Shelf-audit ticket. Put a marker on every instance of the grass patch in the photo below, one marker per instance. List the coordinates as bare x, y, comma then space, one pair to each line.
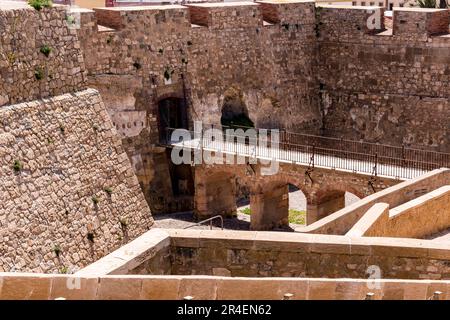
295, 216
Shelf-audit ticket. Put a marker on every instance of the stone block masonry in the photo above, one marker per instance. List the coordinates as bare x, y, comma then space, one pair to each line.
385, 87
40, 56
68, 194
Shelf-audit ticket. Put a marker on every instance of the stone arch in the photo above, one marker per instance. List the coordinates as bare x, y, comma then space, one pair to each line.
208, 188
269, 203
330, 199
234, 111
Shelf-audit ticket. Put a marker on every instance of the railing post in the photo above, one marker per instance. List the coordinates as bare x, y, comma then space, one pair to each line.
436, 295
369, 296
288, 296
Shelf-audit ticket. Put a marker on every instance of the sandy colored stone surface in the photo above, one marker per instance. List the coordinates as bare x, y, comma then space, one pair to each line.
68, 154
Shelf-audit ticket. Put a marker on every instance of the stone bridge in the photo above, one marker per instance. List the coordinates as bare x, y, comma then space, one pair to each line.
217, 186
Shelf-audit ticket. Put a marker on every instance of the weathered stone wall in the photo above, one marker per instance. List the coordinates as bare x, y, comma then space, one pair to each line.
324, 190
216, 56
20, 286
241, 254
340, 222
388, 87
418, 218
68, 194
148, 41
323, 69
268, 254
23, 32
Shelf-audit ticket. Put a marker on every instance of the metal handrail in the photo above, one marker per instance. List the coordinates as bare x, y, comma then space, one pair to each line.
406, 162
206, 220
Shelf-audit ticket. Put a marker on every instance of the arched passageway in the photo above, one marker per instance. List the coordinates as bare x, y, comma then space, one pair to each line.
172, 113
280, 204
328, 201
276, 206
234, 112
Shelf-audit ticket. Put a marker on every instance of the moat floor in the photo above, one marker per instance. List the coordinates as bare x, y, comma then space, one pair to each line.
180, 220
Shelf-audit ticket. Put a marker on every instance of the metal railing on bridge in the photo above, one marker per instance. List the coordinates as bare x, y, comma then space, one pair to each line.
315, 151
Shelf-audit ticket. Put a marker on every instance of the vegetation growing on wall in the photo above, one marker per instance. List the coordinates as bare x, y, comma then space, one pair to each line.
39, 73
46, 50
39, 4
17, 165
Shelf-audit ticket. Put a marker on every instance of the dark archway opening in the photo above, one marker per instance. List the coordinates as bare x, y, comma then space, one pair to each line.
181, 178
172, 114
234, 112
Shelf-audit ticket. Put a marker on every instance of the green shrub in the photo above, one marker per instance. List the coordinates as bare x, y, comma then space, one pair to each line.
17, 165
57, 250
63, 270
108, 190
39, 4
168, 73
247, 211
426, 3
38, 74
11, 57
46, 50
95, 200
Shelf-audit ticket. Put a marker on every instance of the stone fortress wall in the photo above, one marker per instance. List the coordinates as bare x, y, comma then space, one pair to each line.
287, 64
68, 194
217, 53
138, 57
389, 87
23, 32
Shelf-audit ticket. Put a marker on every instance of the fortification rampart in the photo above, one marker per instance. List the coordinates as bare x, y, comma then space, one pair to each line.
422, 217
386, 86
40, 56
68, 195
202, 43
266, 254
205, 55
